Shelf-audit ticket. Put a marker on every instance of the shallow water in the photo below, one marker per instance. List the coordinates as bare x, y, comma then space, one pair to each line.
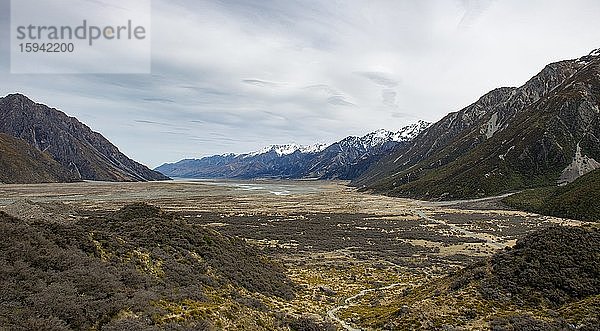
275, 187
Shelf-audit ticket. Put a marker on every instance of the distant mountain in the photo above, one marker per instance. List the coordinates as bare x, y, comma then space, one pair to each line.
282, 150
345, 159
20, 163
545, 132
85, 153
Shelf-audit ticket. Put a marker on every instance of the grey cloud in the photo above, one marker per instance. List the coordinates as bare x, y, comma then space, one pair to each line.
473, 10
389, 97
159, 100
148, 122
339, 101
322, 88
204, 90
333, 96
165, 124
232, 76
379, 78
261, 83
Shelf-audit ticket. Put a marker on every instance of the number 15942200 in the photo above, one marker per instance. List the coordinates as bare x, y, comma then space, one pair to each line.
47, 47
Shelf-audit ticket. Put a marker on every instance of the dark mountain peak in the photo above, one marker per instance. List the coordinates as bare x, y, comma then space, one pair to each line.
87, 154
17, 96
16, 100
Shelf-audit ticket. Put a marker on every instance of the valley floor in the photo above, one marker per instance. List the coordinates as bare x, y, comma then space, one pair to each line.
350, 253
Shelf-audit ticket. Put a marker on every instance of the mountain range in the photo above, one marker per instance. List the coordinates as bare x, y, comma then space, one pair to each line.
345, 159
78, 152
544, 133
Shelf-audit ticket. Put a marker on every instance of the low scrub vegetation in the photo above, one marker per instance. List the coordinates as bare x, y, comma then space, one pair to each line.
111, 271
548, 281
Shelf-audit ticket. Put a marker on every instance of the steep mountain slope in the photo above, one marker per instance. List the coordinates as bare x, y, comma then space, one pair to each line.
539, 134
22, 164
87, 154
345, 159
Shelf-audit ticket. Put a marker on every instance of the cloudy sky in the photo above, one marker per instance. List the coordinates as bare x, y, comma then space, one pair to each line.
234, 76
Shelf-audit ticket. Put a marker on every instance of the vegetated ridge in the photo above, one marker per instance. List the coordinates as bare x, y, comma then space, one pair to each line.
577, 200
138, 268
547, 281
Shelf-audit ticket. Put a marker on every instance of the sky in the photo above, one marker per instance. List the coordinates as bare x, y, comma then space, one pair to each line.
235, 76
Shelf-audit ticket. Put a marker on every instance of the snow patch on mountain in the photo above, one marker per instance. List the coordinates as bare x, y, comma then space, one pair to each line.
382, 136
345, 159
368, 141
288, 149
589, 58
410, 132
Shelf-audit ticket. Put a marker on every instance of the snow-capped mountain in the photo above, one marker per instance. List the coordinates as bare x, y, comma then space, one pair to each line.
382, 136
345, 159
288, 149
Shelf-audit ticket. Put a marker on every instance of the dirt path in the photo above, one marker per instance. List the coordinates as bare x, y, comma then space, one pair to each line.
480, 236
348, 303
